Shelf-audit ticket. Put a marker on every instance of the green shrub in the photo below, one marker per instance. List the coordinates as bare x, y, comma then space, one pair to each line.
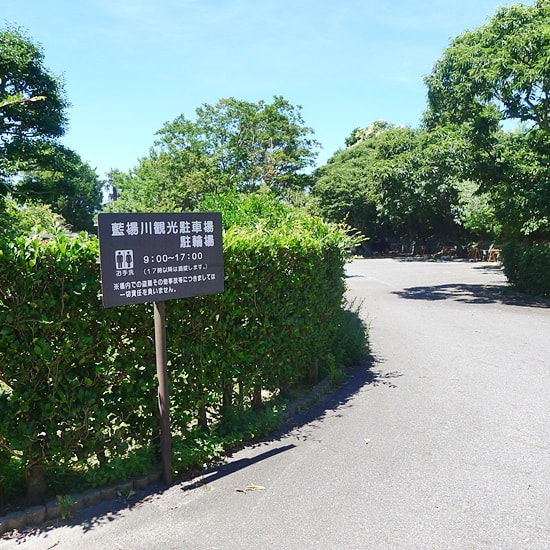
351, 343
527, 268
12, 479
78, 400
73, 371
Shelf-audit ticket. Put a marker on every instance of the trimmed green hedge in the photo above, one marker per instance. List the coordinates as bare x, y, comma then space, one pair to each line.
527, 268
78, 382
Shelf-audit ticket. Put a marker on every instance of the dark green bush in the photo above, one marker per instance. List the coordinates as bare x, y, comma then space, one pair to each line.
353, 346
527, 268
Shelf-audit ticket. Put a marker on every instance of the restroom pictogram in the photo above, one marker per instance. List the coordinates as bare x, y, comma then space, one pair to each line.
124, 259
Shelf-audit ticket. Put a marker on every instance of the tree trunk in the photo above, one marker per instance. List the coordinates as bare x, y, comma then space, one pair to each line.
313, 374
257, 397
227, 402
36, 484
203, 417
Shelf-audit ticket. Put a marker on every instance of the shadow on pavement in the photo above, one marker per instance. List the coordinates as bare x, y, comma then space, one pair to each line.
318, 406
357, 378
86, 520
471, 294
223, 469
314, 409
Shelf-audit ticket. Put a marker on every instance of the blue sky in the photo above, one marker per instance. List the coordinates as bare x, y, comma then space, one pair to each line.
129, 66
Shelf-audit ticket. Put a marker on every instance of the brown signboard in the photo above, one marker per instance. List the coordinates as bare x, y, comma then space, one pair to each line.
154, 257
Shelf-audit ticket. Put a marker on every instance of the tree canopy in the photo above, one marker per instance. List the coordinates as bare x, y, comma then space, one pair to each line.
233, 145
70, 186
32, 106
501, 72
394, 181
498, 71
35, 169
17, 220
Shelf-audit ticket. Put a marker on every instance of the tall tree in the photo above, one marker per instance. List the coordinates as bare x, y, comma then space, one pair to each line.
233, 145
499, 71
346, 189
250, 144
394, 181
496, 73
32, 106
70, 186
518, 180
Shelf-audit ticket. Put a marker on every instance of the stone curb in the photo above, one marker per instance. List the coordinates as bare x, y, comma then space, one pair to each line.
309, 398
53, 510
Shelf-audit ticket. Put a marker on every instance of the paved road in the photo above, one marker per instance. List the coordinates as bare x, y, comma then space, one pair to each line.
440, 442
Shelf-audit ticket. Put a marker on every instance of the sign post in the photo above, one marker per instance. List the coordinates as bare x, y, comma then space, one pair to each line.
163, 396
154, 257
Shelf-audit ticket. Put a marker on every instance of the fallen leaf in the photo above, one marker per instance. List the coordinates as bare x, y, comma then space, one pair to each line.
254, 488
250, 487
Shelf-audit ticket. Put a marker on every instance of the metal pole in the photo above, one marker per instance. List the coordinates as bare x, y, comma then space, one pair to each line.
163, 399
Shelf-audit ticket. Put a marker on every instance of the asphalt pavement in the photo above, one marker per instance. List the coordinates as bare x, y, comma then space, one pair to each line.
441, 440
